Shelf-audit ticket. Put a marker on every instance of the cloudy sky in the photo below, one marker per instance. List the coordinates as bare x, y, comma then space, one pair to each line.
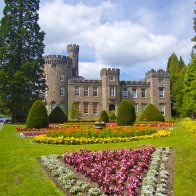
133, 35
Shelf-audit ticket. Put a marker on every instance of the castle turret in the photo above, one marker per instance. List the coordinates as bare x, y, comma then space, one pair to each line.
73, 52
160, 90
110, 89
57, 69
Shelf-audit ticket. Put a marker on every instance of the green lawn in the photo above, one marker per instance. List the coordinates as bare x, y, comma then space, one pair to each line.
22, 174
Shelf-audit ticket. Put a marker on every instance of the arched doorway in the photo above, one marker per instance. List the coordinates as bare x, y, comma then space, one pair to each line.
112, 107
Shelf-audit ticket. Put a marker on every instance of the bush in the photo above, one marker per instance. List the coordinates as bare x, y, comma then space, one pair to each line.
126, 113
151, 113
57, 116
37, 116
112, 115
104, 116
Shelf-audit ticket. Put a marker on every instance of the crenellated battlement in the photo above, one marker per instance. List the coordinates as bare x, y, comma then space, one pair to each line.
110, 71
159, 73
73, 48
56, 59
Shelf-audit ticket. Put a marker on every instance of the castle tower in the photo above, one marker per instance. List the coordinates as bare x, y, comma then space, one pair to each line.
73, 52
160, 90
110, 89
57, 70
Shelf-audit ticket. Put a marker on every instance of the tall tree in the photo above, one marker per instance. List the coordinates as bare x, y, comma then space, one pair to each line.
176, 69
21, 47
194, 27
189, 99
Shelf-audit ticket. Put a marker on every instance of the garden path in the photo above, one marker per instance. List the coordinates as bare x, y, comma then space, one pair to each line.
1, 125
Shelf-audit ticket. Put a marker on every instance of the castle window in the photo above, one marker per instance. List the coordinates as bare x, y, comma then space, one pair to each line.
111, 78
144, 105
95, 92
62, 91
46, 91
95, 108
86, 108
162, 108
62, 78
112, 91
135, 107
62, 106
77, 91
53, 65
143, 93
46, 77
134, 93
53, 105
161, 80
86, 91
161, 92
125, 92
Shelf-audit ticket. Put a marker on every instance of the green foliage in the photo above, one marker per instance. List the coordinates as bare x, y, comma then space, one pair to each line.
126, 113
189, 99
112, 115
37, 117
151, 113
57, 116
104, 116
74, 113
194, 27
177, 70
21, 48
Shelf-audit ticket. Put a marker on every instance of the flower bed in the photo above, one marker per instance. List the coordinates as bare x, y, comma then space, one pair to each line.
85, 140
31, 133
91, 132
133, 172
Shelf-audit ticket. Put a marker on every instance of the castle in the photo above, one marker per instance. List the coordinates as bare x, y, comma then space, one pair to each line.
65, 86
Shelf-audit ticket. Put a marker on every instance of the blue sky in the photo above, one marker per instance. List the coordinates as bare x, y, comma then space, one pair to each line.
133, 35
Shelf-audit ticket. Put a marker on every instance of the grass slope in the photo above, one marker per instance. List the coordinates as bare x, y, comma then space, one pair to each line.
21, 173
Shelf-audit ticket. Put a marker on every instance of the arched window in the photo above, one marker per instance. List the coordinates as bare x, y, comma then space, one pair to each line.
53, 105
62, 106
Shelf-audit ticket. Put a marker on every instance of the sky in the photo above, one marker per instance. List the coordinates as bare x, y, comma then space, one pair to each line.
132, 35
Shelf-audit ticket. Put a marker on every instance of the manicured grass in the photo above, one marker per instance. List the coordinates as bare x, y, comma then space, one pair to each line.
22, 174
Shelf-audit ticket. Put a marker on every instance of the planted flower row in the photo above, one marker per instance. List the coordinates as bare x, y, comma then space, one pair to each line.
85, 140
90, 132
156, 179
31, 133
67, 179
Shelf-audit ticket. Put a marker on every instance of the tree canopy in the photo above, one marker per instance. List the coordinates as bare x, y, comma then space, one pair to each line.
22, 78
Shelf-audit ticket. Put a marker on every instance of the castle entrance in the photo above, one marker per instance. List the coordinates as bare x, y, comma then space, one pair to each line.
111, 107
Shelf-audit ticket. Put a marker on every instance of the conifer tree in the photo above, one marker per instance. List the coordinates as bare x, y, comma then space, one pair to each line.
21, 64
194, 27
176, 70
189, 99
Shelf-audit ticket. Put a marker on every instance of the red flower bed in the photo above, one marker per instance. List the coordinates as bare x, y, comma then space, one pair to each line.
116, 172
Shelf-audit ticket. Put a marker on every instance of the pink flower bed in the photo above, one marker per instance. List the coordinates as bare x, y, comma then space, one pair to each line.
33, 133
116, 172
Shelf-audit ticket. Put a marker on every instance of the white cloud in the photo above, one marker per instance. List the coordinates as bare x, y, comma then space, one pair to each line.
118, 43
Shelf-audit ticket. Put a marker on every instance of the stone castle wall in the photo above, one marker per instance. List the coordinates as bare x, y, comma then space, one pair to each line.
110, 89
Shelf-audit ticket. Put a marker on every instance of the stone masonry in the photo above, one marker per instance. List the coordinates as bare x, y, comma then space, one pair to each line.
65, 86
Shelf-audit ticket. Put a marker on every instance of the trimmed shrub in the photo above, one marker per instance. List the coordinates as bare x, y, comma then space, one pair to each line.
104, 116
37, 116
126, 113
112, 115
151, 113
57, 116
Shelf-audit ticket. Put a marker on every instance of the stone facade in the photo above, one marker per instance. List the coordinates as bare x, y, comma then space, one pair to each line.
65, 86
